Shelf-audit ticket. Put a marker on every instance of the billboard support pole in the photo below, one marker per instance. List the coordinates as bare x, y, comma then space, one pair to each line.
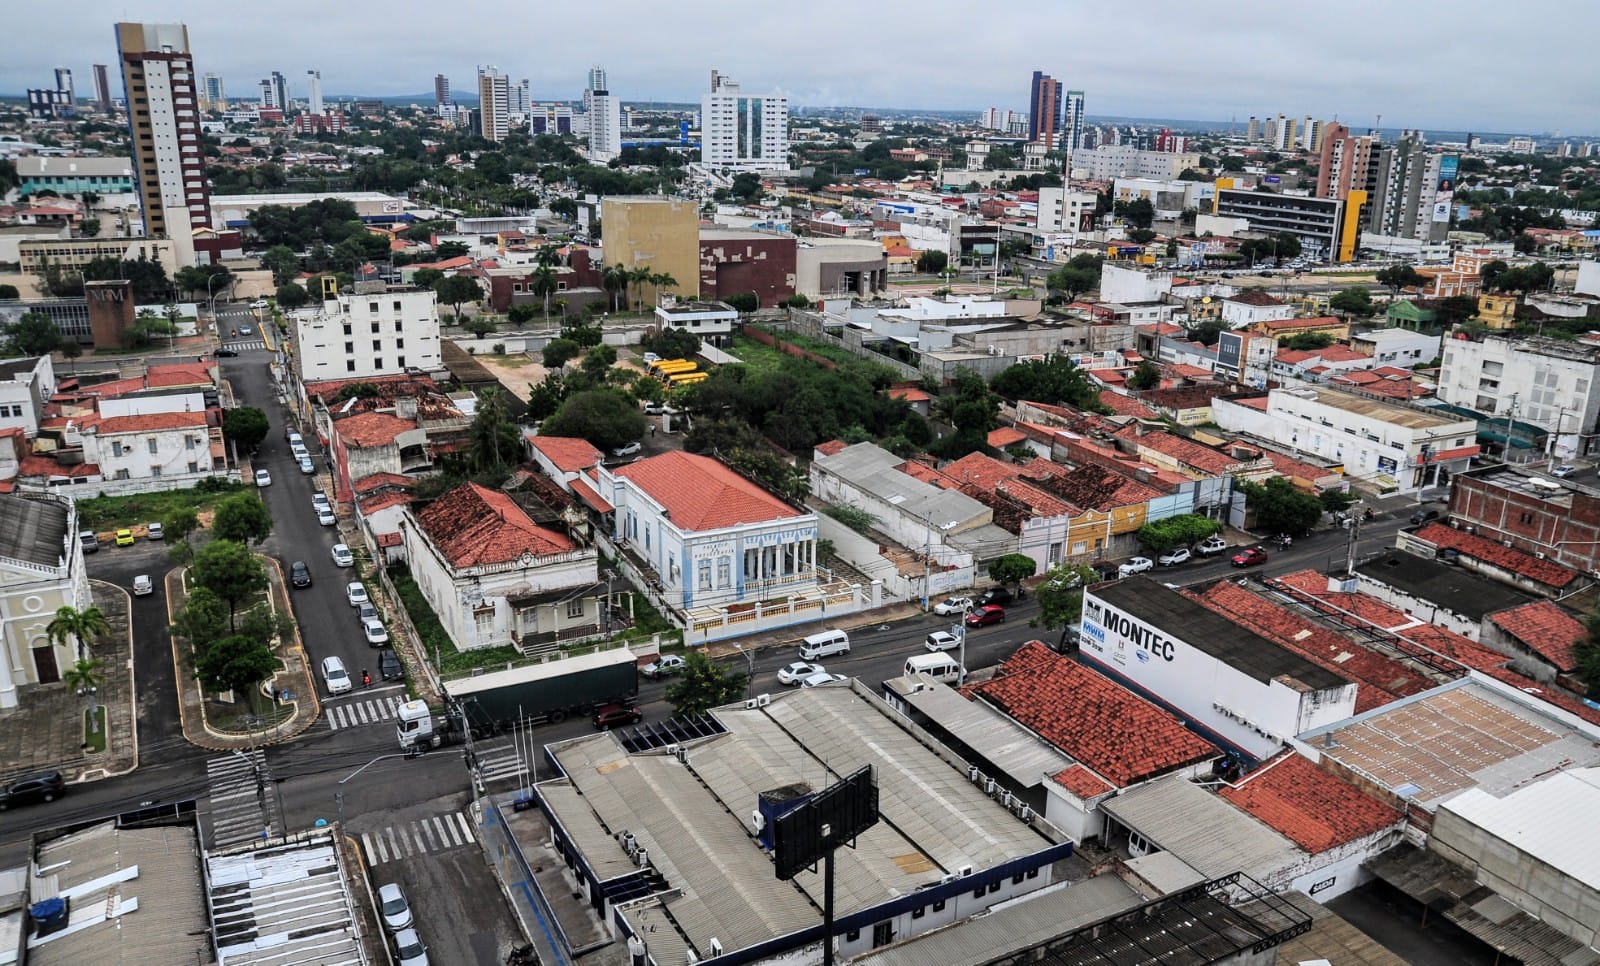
827, 909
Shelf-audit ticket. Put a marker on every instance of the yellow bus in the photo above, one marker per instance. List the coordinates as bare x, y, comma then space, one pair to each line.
672, 367
686, 379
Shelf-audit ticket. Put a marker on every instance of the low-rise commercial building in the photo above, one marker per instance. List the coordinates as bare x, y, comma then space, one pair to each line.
71, 176
367, 333
1552, 383
713, 322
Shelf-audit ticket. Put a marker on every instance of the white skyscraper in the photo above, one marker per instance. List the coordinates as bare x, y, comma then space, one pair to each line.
605, 125
737, 131
1072, 128
314, 91
64, 83
494, 103
597, 82
521, 98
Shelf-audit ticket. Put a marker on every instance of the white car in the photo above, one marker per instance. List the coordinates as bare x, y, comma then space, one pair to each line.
377, 634
259, 304
663, 666
157, 532
342, 557
356, 594
320, 502
820, 678
952, 605
628, 450
143, 586
335, 676
1564, 470
392, 903
325, 516
1211, 546
1174, 557
942, 641
306, 466
797, 672
1137, 565
299, 452
263, 478
409, 950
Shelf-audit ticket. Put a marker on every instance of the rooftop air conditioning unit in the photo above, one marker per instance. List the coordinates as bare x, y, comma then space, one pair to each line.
672, 749
948, 878
643, 858
750, 704
762, 700
964, 871
1505, 543
1539, 554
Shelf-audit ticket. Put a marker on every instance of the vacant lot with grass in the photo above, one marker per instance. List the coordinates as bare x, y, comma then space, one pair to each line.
111, 512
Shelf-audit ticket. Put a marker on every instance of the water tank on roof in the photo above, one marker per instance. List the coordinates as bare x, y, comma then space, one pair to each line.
48, 915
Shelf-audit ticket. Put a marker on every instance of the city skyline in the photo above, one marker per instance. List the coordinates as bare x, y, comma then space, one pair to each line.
1417, 72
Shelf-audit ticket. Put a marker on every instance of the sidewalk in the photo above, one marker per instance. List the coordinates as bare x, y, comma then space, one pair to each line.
46, 730
791, 635
295, 678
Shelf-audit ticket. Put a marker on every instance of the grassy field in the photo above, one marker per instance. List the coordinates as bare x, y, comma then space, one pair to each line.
111, 512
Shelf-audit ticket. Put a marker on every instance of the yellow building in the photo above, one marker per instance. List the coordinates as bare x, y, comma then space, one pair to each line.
1497, 311
662, 234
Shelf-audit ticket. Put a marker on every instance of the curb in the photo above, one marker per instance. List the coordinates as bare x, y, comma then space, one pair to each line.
133, 683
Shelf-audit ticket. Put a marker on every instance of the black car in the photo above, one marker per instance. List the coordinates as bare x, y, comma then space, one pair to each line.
300, 574
44, 787
389, 668
996, 595
1424, 516
225, 353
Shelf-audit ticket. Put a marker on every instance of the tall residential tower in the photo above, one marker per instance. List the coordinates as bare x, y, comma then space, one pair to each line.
1044, 110
739, 131
102, 88
164, 123
494, 104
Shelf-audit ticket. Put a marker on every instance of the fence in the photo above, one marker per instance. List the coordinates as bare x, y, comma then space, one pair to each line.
812, 326
88, 489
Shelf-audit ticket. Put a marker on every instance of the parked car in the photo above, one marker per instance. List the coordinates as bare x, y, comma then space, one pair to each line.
1211, 546
797, 672
389, 668
143, 586
325, 516
1564, 470
263, 478
1137, 565
820, 678
356, 594
293, 436
409, 950
1423, 516
319, 500
376, 633
392, 904
942, 641
305, 466
342, 557
1174, 557
299, 574
90, 541
616, 715
156, 532
654, 409
1250, 557
996, 595
952, 605
628, 450
335, 676
43, 787
124, 537
366, 612
986, 615
298, 451
663, 666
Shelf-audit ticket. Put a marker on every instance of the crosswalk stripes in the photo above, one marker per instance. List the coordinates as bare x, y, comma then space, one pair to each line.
240, 799
500, 764
368, 712
437, 833
241, 346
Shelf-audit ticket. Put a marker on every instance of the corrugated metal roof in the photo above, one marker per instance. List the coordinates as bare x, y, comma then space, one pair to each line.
1008, 746
1180, 817
135, 897
1539, 819
600, 849
1165, 872
283, 905
871, 469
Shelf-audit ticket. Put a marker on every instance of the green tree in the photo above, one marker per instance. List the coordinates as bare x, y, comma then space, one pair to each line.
1306, 341
1280, 507
598, 360
1146, 375
743, 301
559, 352
1587, 653
83, 677
178, 524
1060, 594
455, 290
1050, 381
520, 314
1353, 302
1073, 280
478, 325
291, 296
245, 425
704, 685
1139, 213
427, 277
71, 623
604, 417
202, 620
34, 334
229, 570
932, 262
1143, 236
673, 343
1396, 277
242, 518
198, 279
282, 262
1336, 501
646, 389
89, 228
1455, 309
1184, 530
772, 472
494, 443
450, 249
1012, 569
235, 663
543, 284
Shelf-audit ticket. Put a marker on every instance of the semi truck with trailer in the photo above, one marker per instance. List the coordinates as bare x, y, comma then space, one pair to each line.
496, 701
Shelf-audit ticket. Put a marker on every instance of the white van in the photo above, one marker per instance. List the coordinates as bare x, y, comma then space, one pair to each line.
825, 644
940, 667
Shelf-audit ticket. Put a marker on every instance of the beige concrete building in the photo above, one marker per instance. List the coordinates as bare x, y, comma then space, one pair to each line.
661, 233
74, 253
41, 569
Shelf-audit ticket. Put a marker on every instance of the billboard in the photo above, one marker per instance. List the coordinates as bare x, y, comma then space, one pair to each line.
833, 817
1445, 192
1272, 179
1230, 351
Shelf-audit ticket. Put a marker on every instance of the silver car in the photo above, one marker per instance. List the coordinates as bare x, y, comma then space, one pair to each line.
396, 910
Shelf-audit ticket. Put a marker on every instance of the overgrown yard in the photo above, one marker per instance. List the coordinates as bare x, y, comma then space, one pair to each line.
111, 512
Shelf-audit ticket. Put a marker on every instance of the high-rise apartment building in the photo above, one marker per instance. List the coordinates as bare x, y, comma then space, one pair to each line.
1414, 194
275, 92
1346, 163
212, 95
1044, 110
597, 82
1072, 128
1313, 135
740, 131
102, 88
1284, 139
441, 90
605, 125
520, 99
64, 84
494, 104
1252, 129
164, 124
314, 91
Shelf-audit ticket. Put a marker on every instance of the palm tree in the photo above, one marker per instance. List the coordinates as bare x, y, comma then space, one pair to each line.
661, 281
80, 625
615, 280
548, 255
543, 283
83, 677
639, 277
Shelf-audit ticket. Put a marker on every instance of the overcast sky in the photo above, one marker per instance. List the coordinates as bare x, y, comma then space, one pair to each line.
1527, 66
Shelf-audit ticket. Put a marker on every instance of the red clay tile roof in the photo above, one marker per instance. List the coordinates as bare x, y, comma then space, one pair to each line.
1006, 436
1120, 736
1287, 465
179, 374
369, 429
382, 501
389, 540
377, 481
1186, 451
1082, 782
1546, 572
147, 423
832, 447
700, 493
1547, 629
587, 493
568, 453
473, 525
1313, 808
1125, 405
1547, 693
32, 465
1254, 296
909, 395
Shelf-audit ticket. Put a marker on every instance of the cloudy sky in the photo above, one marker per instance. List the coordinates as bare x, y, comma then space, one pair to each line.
1527, 66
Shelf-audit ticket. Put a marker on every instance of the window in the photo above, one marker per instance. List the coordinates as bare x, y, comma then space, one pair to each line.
397, 308
152, 445
155, 471
882, 934
483, 620
349, 347
1033, 873
852, 935
122, 474
189, 442
349, 365
704, 571
399, 326
399, 343
724, 573
377, 362
575, 607
978, 892
372, 308
347, 329
194, 467
116, 448
375, 326
1016, 879
1525, 518
400, 362
377, 345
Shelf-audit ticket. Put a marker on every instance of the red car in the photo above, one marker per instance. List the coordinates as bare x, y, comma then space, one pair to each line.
987, 614
1249, 558
616, 715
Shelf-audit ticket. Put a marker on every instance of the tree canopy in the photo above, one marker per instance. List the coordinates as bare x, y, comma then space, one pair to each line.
704, 685
1280, 507
604, 417
229, 570
245, 425
34, 334
242, 518
1012, 569
1051, 381
1184, 530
